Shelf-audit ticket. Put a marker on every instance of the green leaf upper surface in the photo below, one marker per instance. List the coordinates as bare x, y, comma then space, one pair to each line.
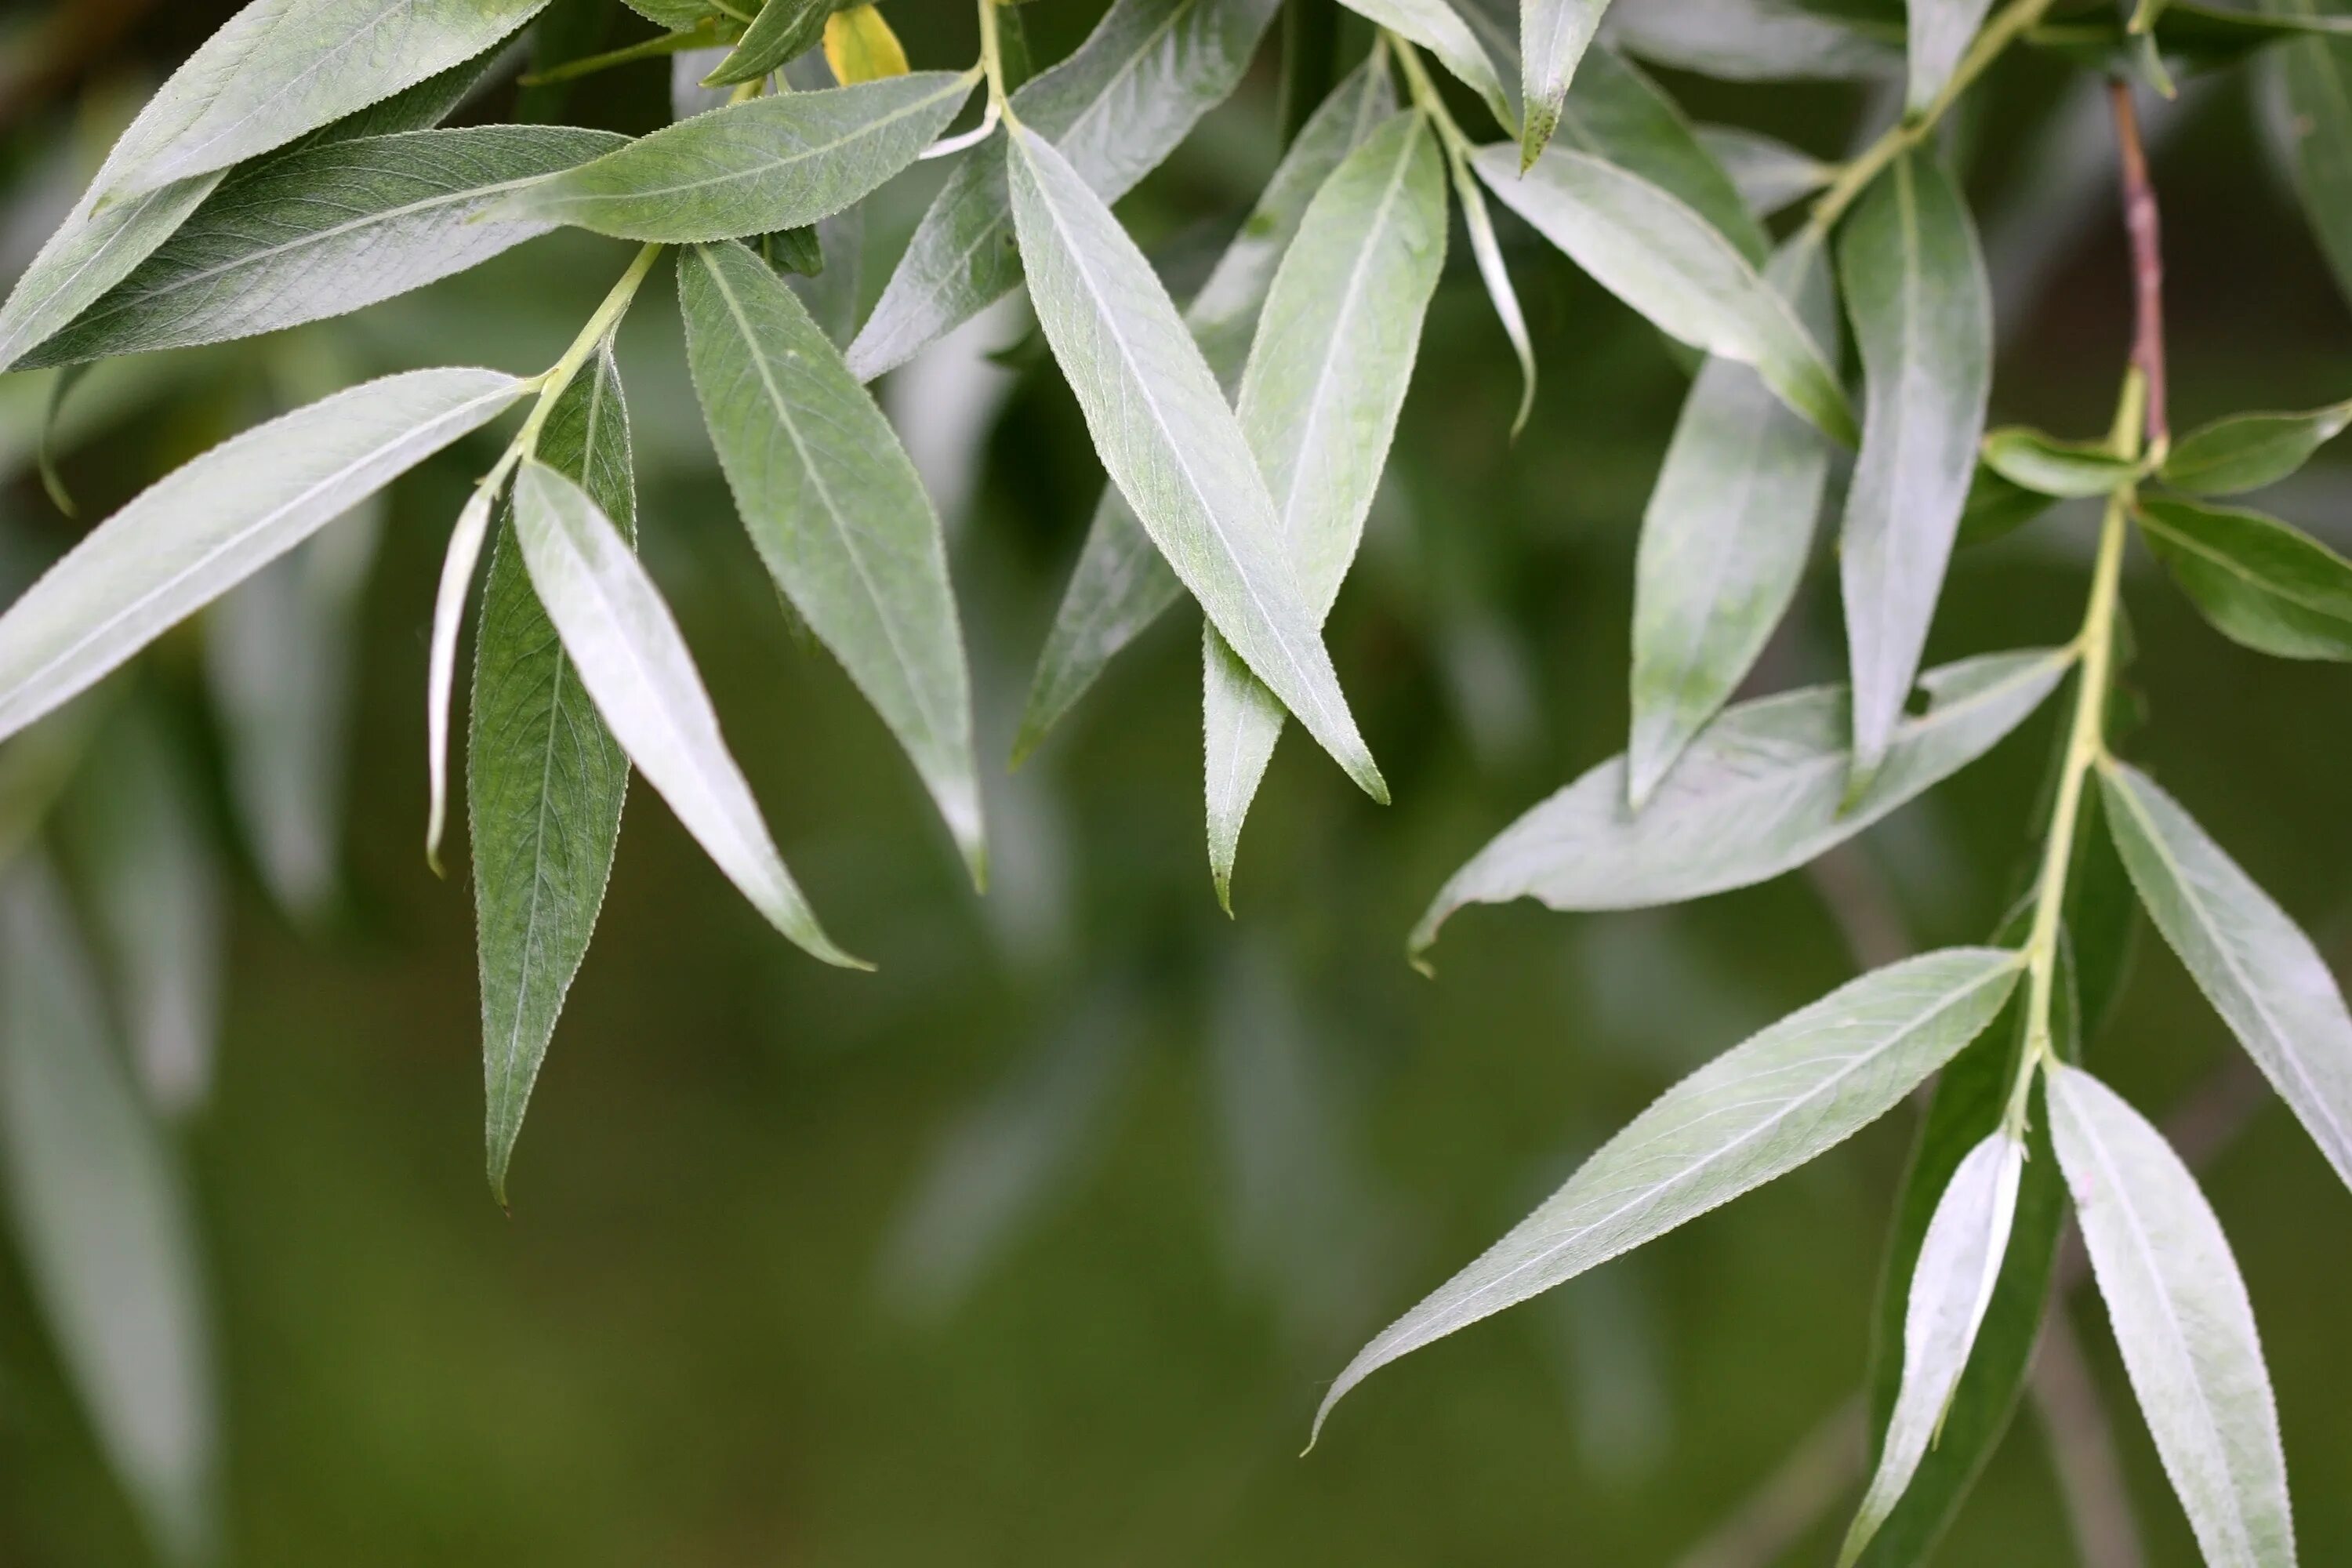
322, 231
1971, 1098
2182, 1322
281, 68
2315, 75
98, 245
102, 1223
545, 780
1762, 790
1917, 293
629, 654
1616, 112
782, 30
2254, 963
1118, 106
1952, 1285
1171, 444
1121, 586
1554, 35
1318, 403
1650, 250
1756, 1113
2261, 583
1939, 34
2051, 467
2247, 451
1725, 535
1755, 40
207, 526
754, 167
832, 504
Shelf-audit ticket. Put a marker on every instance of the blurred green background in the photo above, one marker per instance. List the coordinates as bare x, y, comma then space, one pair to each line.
1039, 1246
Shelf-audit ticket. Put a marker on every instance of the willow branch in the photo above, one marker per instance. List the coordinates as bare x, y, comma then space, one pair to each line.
2145, 231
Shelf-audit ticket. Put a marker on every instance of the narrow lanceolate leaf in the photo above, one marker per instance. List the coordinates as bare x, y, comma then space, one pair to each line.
2254, 963
833, 506
860, 46
1553, 38
1486, 251
281, 68
1438, 27
1756, 1113
782, 30
1970, 1101
1922, 311
101, 1221
1768, 174
2315, 77
1615, 113
1118, 106
100, 242
1171, 444
206, 527
2051, 467
1121, 584
1318, 403
1951, 1287
629, 654
1664, 260
457, 563
545, 780
138, 842
2182, 1322
1725, 537
2262, 583
322, 231
2247, 451
1762, 790
1939, 35
754, 167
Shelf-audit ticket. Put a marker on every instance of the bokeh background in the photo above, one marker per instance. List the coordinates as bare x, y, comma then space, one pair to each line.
1038, 1246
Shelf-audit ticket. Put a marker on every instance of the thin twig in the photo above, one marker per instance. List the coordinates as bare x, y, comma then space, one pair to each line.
2141, 222
2082, 1449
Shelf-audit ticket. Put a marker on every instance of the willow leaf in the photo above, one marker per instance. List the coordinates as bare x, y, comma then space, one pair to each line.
1121, 584
200, 531
629, 654
1318, 403
1757, 1113
323, 231
2315, 77
102, 1223
1438, 27
2260, 583
1952, 1285
1616, 112
755, 168
1554, 35
782, 30
1724, 536
1118, 106
1921, 307
2247, 451
1762, 790
1667, 262
833, 506
281, 68
545, 779
1939, 33
2182, 1322
2254, 964
1170, 443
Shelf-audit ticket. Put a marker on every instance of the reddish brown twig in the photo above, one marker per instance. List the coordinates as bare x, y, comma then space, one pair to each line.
2141, 222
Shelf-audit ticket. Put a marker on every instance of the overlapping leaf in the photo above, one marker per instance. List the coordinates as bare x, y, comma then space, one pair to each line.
2262, 583
1916, 291
2247, 451
2315, 76
1616, 112
1554, 35
834, 508
1756, 1113
1170, 441
1762, 790
1115, 109
203, 529
1318, 403
545, 780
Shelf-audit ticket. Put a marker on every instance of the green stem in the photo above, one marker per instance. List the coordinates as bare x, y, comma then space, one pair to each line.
2086, 743
1990, 43
991, 58
1426, 98
693, 37
560, 375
